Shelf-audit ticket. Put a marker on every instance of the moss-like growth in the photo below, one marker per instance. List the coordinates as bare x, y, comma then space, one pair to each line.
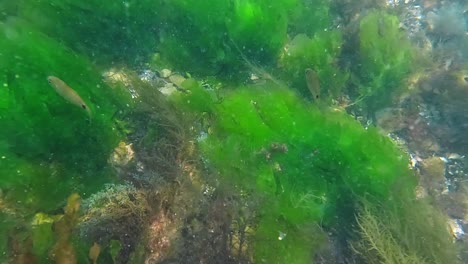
107, 30
303, 169
111, 214
43, 235
216, 37
208, 37
49, 146
386, 57
307, 165
413, 232
310, 17
319, 53
259, 27
204, 37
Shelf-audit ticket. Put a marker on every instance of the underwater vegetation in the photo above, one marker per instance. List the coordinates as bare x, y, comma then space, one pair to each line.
385, 239
204, 36
46, 141
218, 170
39, 127
105, 31
215, 37
208, 37
110, 213
320, 53
385, 59
308, 166
63, 250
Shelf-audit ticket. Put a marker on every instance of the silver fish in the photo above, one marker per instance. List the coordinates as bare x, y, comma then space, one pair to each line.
313, 83
68, 93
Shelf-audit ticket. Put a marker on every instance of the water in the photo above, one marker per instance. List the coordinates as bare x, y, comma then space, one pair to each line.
203, 143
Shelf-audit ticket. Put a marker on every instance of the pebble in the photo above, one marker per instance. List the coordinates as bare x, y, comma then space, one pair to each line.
165, 73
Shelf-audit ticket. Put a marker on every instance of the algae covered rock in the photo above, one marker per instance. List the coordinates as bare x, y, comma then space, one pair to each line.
50, 147
256, 172
308, 166
45, 139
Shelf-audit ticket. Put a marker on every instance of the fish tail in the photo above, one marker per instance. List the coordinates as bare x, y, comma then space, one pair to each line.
90, 114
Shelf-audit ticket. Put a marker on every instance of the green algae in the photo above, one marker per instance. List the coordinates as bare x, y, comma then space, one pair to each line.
259, 27
386, 59
215, 37
42, 234
108, 31
309, 166
49, 146
311, 17
319, 53
312, 170
385, 237
208, 37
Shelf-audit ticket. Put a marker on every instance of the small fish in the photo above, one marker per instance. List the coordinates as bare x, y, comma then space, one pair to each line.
68, 93
94, 252
313, 83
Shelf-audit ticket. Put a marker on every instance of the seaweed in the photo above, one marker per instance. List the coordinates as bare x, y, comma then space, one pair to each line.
49, 147
107, 31
387, 238
208, 38
63, 250
255, 172
320, 53
309, 166
386, 57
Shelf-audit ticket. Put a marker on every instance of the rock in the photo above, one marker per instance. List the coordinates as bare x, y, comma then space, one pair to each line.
433, 174
390, 119
177, 79
168, 89
165, 73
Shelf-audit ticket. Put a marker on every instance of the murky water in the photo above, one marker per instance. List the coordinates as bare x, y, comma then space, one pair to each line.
247, 131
